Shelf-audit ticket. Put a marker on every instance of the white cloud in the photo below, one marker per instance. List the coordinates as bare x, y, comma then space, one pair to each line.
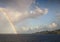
52, 25
18, 11
16, 16
46, 11
30, 29
20, 16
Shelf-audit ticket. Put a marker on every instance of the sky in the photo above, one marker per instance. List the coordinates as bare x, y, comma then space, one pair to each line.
29, 16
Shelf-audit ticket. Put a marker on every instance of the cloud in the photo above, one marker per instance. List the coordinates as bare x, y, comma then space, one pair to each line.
20, 5
5, 26
38, 12
18, 10
17, 16
52, 25
46, 11
25, 28
38, 28
58, 16
31, 29
20, 16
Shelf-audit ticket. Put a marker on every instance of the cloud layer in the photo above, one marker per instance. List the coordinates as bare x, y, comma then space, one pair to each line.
20, 16
18, 10
39, 28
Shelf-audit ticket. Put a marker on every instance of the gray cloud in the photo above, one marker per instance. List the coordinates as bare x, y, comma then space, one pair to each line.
5, 26
18, 11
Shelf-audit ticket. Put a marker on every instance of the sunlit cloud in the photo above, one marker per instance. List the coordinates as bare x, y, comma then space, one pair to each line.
52, 25
20, 16
18, 11
31, 29
12, 8
2, 10
38, 12
16, 16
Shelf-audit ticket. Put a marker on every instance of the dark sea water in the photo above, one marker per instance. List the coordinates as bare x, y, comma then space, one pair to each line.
29, 38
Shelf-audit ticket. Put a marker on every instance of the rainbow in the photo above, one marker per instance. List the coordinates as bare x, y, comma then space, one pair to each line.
5, 13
